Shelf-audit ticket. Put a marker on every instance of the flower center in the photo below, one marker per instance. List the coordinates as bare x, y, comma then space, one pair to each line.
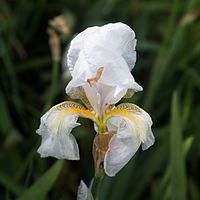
101, 124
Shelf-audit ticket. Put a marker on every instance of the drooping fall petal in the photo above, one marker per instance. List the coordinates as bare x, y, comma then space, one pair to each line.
133, 126
55, 129
122, 147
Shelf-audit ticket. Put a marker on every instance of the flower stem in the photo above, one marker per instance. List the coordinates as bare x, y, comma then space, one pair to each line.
97, 182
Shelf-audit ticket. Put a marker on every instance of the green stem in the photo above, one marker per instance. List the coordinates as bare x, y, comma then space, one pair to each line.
97, 182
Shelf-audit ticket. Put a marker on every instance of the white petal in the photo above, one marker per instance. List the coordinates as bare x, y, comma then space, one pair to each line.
122, 147
149, 141
113, 84
101, 95
133, 126
83, 192
117, 36
139, 118
105, 48
76, 45
146, 136
112, 47
114, 123
57, 141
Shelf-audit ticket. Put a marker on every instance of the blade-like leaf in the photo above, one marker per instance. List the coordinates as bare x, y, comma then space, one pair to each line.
178, 176
9, 183
40, 188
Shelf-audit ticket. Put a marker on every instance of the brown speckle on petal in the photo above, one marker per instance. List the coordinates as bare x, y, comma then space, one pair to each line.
97, 77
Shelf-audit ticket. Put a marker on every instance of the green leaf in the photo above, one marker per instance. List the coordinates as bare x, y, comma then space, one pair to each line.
194, 190
40, 188
147, 168
5, 119
9, 183
178, 175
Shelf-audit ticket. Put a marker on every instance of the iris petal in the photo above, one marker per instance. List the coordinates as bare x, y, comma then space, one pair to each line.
133, 126
55, 129
122, 147
111, 47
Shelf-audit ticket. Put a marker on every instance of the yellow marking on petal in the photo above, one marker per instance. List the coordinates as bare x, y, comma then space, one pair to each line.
129, 107
118, 112
97, 77
125, 109
130, 112
83, 113
74, 108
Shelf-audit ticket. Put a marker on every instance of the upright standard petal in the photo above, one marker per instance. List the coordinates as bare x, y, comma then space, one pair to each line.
133, 126
76, 45
120, 37
111, 47
55, 130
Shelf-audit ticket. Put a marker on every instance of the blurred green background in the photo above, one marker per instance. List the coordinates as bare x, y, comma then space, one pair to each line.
31, 81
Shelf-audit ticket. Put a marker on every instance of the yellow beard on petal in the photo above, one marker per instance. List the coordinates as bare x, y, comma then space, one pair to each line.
130, 112
74, 108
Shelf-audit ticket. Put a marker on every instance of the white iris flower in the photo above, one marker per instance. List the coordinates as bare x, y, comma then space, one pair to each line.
100, 60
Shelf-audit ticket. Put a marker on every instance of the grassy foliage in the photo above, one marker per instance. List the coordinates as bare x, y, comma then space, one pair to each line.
168, 68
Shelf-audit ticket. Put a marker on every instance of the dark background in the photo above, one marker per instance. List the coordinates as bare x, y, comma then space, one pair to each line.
168, 68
